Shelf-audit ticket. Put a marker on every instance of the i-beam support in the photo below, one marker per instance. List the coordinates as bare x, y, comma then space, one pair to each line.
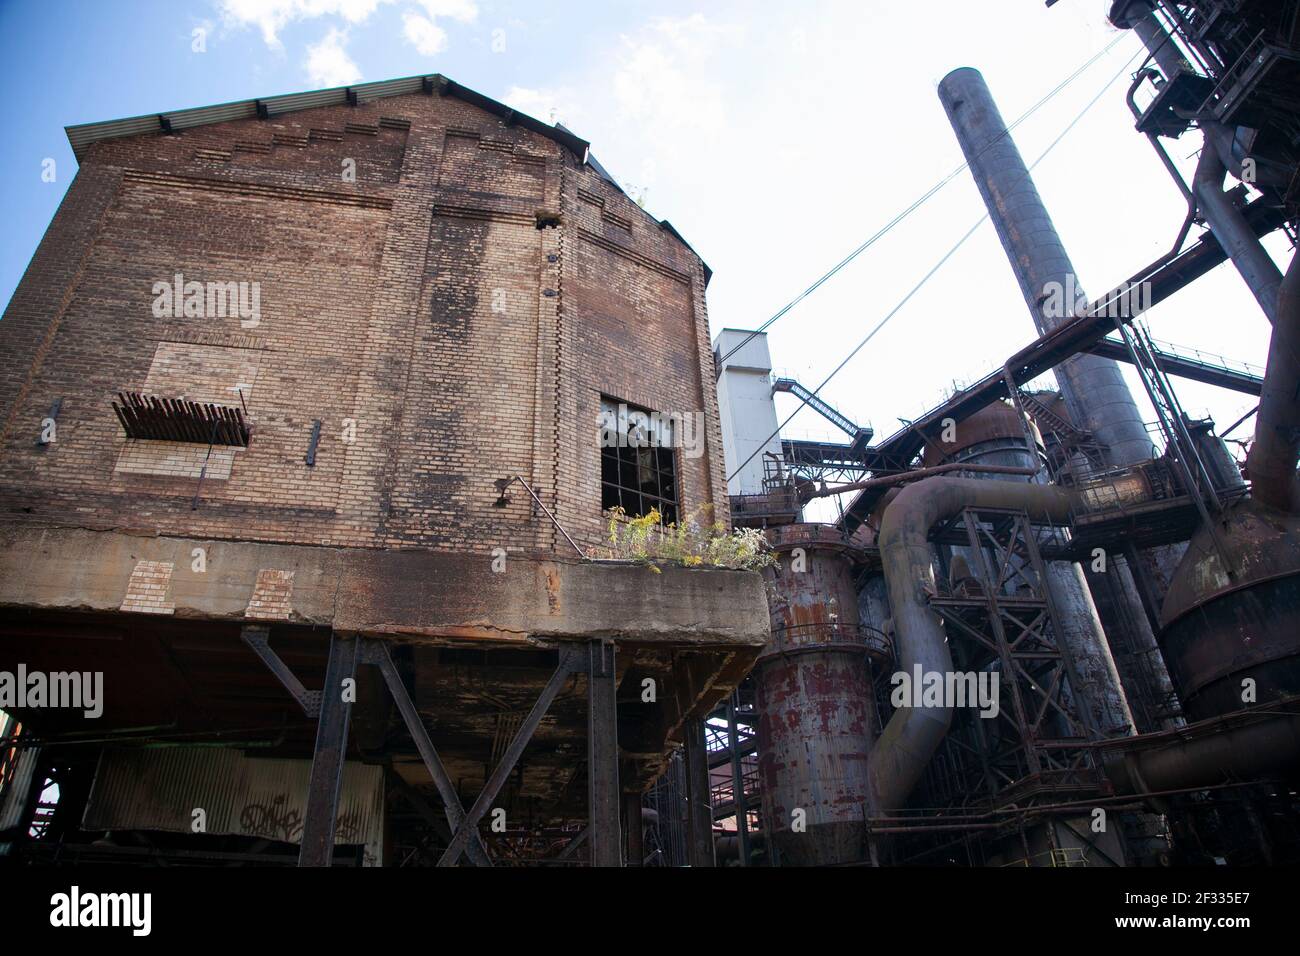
699, 809
331, 746
602, 755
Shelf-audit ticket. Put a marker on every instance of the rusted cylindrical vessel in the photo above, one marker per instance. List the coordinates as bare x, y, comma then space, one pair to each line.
814, 701
1230, 627
1218, 631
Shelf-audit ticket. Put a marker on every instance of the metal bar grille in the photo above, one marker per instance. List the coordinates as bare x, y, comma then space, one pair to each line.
177, 419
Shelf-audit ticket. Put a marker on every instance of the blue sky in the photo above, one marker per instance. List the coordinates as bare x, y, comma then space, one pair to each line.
775, 136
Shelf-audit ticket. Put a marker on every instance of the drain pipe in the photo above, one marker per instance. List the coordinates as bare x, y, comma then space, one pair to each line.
1271, 463
1229, 226
913, 734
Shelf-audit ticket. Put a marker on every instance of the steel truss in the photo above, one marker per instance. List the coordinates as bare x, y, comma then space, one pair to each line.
1001, 620
602, 834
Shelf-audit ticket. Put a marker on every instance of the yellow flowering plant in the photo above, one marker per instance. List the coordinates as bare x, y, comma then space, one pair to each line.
691, 544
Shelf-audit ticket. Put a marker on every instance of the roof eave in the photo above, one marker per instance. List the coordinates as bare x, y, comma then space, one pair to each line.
81, 136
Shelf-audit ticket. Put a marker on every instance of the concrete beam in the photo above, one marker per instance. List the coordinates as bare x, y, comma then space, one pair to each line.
412, 595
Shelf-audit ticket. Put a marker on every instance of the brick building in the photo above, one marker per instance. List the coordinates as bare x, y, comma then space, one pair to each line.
396, 297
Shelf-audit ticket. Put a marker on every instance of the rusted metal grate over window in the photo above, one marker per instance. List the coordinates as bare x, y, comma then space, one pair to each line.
176, 419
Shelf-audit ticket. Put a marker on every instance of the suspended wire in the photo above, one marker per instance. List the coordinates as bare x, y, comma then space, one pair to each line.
937, 266
889, 226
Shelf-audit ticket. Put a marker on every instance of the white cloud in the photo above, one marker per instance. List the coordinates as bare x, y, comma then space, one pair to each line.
328, 63
463, 10
668, 80
424, 34
547, 105
422, 30
420, 18
271, 16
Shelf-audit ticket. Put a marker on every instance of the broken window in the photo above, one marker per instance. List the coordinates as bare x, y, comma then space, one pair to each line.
638, 465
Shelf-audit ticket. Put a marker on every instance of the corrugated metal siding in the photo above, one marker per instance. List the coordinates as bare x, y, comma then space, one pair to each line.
159, 789
185, 119
82, 136
305, 101
376, 91
17, 786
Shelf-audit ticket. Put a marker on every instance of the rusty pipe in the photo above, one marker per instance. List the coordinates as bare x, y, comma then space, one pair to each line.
917, 474
1230, 228
913, 734
1271, 463
1206, 754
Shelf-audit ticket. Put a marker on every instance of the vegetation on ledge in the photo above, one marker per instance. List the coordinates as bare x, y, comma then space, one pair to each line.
690, 544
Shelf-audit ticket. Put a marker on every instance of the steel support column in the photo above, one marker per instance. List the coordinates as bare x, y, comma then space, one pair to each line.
738, 799
327, 762
699, 811
635, 832
602, 755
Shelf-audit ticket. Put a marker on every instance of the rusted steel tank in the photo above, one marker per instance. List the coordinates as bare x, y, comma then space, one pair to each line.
1218, 630
816, 721
994, 435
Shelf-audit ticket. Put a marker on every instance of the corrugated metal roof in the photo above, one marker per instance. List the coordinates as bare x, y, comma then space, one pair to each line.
185, 119
382, 88
275, 105
159, 789
83, 135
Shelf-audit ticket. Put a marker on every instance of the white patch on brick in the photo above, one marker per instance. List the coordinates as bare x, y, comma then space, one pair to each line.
146, 592
201, 373
271, 594
175, 459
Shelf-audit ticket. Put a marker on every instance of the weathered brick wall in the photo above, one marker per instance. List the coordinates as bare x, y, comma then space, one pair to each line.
420, 303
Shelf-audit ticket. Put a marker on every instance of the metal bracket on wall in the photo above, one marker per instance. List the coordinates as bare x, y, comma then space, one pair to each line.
503, 483
259, 639
313, 444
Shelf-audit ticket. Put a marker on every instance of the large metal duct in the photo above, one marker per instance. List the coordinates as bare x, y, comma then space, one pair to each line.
816, 716
1199, 755
1229, 226
1231, 620
1219, 154
1094, 389
1140, 17
1272, 459
995, 435
1207, 754
913, 734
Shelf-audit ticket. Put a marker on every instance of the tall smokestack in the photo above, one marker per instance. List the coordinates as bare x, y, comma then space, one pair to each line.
1093, 388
